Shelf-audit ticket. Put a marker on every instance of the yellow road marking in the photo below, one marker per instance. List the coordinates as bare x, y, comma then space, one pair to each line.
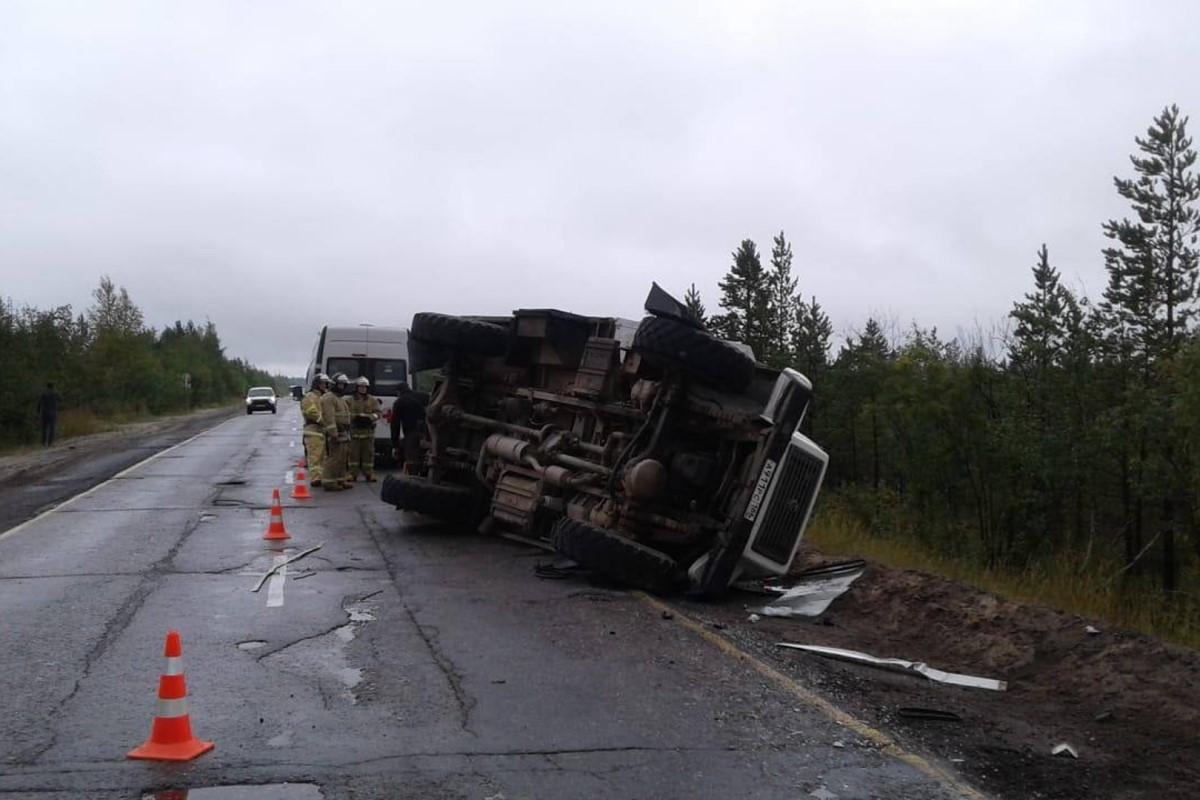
886, 743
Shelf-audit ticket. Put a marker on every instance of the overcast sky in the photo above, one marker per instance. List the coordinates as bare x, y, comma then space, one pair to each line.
277, 166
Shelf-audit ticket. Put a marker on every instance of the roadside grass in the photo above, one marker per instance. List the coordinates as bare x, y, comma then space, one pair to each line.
1098, 592
76, 422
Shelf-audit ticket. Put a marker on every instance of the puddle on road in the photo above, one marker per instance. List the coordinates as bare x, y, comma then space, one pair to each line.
263, 791
327, 654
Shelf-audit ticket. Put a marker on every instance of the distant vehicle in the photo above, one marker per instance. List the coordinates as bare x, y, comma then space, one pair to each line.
379, 353
260, 398
297, 392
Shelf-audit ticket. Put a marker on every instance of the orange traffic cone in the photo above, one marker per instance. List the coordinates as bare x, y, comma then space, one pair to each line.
171, 735
301, 463
300, 485
276, 530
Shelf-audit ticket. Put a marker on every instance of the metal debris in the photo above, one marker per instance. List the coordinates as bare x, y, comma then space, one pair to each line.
557, 570
900, 665
813, 590
934, 714
1064, 749
1092, 630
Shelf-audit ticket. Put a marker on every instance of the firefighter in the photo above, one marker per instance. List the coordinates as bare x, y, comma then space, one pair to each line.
334, 479
314, 428
364, 411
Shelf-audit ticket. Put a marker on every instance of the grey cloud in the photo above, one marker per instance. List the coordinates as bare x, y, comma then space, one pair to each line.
273, 166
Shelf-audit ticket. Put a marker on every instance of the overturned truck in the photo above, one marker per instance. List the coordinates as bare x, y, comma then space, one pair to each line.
656, 454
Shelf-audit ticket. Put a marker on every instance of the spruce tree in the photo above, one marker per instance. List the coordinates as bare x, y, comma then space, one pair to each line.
1038, 338
695, 305
810, 336
811, 333
745, 297
782, 305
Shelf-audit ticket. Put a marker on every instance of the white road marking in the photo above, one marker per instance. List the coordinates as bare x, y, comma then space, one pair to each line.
292, 444
289, 477
18, 528
275, 587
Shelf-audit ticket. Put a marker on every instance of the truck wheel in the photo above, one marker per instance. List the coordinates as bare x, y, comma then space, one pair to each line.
613, 555
667, 342
461, 334
444, 501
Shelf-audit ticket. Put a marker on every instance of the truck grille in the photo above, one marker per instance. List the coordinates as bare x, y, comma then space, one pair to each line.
781, 523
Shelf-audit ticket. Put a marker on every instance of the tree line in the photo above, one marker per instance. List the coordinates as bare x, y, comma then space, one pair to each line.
105, 360
1079, 434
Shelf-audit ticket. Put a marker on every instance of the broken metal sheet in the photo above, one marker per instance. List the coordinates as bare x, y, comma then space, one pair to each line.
900, 665
1064, 749
812, 591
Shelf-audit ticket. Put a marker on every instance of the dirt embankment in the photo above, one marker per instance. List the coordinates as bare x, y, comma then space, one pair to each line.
1127, 703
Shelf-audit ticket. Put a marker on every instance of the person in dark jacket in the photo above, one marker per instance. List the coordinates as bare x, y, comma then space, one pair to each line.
48, 412
408, 411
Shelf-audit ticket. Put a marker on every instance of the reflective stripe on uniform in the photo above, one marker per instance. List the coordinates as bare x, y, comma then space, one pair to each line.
174, 666
172, 708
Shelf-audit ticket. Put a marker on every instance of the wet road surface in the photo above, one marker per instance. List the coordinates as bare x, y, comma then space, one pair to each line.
400, 660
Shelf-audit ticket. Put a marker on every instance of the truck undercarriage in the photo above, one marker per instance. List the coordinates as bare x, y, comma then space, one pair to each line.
656, 453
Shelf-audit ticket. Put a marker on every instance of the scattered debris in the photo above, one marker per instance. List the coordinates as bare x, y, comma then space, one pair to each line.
668, 615
719, 625
754, 618
304, 575
284, 563
821, 793
1092, 630
1103, 716
934, 714
1064, 749
839, 744
900, 665
813, 590
557, 570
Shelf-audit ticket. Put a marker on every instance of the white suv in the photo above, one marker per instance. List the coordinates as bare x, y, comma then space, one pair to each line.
260, 398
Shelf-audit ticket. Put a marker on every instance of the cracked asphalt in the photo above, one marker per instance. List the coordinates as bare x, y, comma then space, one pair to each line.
406, 659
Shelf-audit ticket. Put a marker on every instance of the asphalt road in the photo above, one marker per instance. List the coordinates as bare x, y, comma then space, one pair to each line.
414, 661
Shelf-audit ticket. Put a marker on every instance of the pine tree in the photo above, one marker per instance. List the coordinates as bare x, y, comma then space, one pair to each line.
1153, 269
745, 297
781, 308
695, 305
1149, 301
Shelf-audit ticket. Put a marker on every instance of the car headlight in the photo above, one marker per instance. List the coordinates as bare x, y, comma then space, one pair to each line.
248, 401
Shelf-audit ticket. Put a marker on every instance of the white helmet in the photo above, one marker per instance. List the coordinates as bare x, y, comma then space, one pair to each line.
362, 381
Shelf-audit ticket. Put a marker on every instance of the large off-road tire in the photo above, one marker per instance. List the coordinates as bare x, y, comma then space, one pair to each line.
444, 501
460, 334
667, 342
616, 557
